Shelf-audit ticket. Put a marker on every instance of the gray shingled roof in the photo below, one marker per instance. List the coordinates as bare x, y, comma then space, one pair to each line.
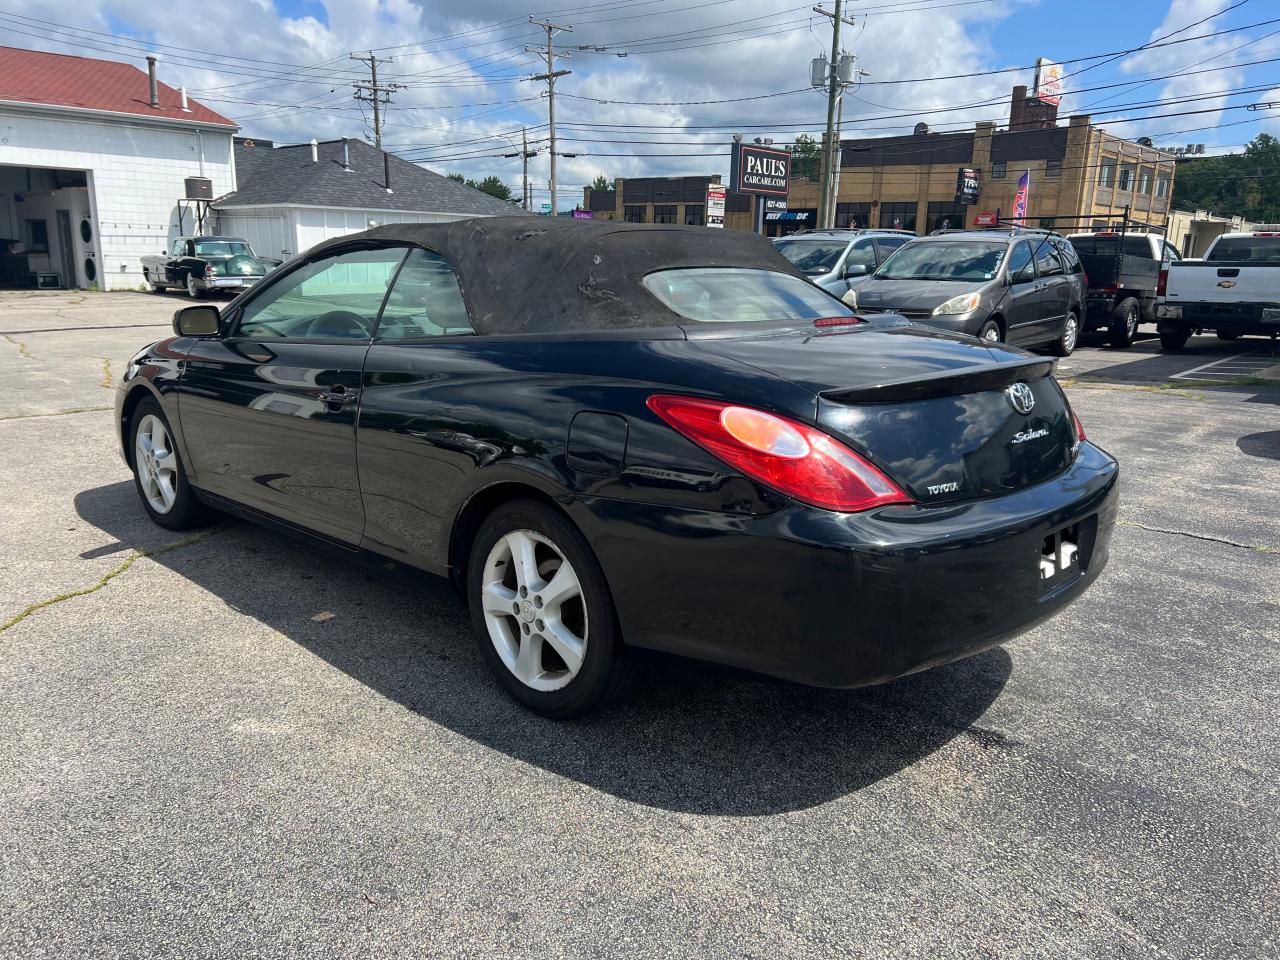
283, 176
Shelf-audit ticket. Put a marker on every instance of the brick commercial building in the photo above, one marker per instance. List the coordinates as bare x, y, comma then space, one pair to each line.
1078, 170
664, 200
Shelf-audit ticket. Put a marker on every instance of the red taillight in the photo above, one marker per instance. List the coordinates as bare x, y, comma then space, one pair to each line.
1084, 276
788, 456
837, 321
208, 270
1079, 427
1162, 282
1267, 234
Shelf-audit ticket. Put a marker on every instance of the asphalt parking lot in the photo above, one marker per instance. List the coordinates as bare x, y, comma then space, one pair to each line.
227, 744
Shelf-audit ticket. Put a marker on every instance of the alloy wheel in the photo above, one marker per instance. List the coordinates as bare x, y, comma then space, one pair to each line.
156, 464
534, 610
991, 334
1131, 322
1069, 331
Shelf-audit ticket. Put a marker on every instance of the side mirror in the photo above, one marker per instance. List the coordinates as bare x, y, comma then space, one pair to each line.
1024, 275
855, 270
199, 321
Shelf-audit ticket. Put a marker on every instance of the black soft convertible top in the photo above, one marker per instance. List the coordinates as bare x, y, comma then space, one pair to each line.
544, 275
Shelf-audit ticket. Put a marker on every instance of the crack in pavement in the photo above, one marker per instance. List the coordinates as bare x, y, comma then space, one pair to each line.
21, 345
110, 575
55, 413
1255, 548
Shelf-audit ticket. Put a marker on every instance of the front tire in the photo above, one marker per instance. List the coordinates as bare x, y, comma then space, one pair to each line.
158, 473
1124, 323
990, 332
542, 613
1065, 345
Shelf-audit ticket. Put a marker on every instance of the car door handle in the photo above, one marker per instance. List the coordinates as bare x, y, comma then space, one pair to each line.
340, 395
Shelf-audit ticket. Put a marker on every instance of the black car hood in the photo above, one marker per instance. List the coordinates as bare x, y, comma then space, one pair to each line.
911, 295
855, 357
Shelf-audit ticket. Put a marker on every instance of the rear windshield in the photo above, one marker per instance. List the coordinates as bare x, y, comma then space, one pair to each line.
812, 256
944, 260
222, 248
1265, 249
733, 295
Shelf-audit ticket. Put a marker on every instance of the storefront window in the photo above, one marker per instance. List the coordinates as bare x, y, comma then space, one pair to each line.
693, 214
634, 213
898, 216
944, 214
854, 216
664, 213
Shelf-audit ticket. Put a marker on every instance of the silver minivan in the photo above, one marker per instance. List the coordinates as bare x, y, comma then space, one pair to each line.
837, 259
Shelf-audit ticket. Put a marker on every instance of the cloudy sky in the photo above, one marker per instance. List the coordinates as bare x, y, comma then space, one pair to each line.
658, 86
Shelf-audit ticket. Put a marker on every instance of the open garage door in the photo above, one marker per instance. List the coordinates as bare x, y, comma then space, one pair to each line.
47, 236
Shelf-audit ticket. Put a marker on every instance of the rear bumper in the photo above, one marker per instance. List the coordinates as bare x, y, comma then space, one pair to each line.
1260, 317
847, 600
229, 283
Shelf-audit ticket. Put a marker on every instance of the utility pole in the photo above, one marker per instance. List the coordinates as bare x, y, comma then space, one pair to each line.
830, 140
375, 93
550, 55
524, 155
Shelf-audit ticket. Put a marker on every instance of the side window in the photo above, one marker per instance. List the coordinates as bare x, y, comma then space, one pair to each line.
425, 301
1170, 254
887, 245
863, 253
179, 248
1018, 261
1047, 262
1070, 261
334, 297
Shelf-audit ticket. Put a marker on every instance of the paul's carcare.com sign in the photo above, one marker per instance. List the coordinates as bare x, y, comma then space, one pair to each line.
760, 170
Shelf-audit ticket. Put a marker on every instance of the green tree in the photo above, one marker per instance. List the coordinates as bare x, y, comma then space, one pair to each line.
1239, 184
492, 186
806, 157
601, 183
457, 178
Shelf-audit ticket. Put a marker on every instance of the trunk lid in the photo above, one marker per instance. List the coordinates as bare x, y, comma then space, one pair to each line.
937, 413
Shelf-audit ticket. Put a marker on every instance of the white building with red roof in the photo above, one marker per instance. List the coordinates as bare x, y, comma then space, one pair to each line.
98, 164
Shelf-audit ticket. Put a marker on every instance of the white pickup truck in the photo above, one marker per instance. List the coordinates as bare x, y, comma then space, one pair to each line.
1234, 290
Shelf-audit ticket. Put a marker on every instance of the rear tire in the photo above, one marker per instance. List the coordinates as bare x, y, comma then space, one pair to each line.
521, 600
1173, 339
192, 292
1065, 345
1125, 318
158, 472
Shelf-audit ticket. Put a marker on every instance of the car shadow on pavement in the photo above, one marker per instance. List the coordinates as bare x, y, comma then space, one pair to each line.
692, 738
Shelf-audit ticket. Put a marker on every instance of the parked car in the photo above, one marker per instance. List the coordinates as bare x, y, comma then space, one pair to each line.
837, 259
1022, 287
616, 436
203, 265
1126, 274
1233, 291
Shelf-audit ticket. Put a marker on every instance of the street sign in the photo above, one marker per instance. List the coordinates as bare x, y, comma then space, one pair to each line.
715, 204
760, 170
546, 204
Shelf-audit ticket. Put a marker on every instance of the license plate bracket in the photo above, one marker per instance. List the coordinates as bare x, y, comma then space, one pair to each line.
1060, 559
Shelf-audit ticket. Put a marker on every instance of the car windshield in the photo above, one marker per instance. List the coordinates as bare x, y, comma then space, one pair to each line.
733, 295
222, 248
1265, 249
944, 260
812, 256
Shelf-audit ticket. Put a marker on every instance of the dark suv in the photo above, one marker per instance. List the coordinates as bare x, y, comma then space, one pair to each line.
1025, 287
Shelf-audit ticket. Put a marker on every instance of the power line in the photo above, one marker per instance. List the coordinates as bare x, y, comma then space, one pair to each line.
377, 94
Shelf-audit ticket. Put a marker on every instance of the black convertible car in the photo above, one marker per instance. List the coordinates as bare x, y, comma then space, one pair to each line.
613, 436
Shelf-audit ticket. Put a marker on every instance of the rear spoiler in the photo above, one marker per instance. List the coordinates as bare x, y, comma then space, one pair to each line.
944, 383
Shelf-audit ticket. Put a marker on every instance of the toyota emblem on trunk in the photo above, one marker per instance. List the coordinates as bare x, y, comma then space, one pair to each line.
1021, 398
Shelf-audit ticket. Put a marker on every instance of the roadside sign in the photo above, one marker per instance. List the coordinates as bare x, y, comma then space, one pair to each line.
967, 186
1048, 82
546, 204
987, 218
760, 170
582, 214
715, 204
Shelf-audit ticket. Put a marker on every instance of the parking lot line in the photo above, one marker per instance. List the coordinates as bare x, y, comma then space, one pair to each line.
1230, 367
